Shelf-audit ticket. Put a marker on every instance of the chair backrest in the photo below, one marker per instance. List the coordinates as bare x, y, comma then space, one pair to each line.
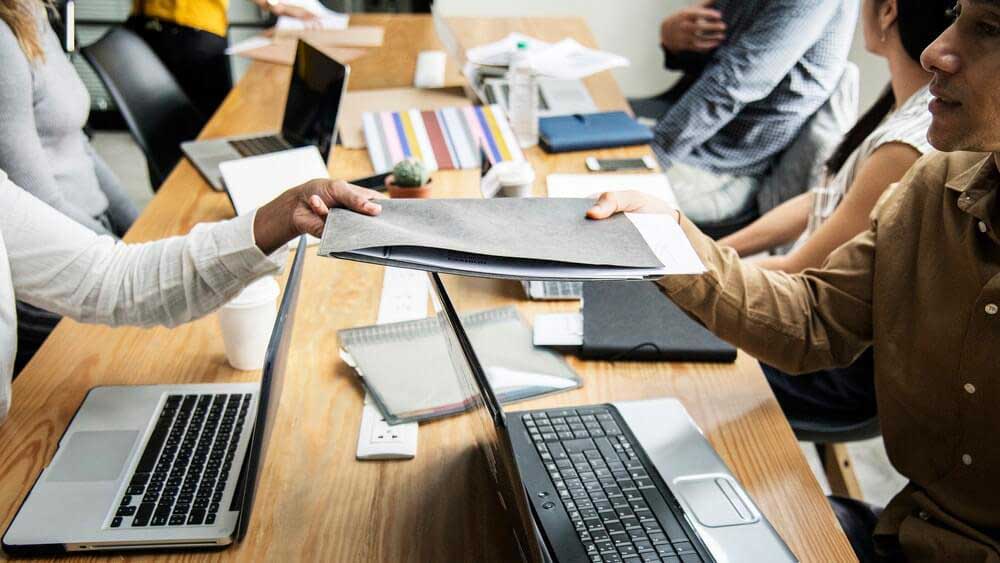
158, 113
801, 165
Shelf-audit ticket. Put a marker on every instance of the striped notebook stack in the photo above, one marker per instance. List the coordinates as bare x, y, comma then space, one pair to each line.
443, 139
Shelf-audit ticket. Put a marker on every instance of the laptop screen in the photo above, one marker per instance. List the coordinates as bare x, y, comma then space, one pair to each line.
314, 96
271, 384
488, 422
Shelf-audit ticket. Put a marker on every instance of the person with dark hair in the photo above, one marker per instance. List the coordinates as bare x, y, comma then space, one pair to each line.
755, 72
875, 153
921, 288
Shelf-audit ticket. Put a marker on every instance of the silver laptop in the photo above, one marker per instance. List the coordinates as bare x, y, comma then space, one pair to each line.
314, 96
158, 466
623, 482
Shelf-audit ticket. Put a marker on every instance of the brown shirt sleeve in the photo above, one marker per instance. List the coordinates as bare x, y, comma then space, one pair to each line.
797, 323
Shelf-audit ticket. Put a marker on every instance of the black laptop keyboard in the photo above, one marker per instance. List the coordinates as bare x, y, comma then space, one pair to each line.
259, 145
182, 474
617, 510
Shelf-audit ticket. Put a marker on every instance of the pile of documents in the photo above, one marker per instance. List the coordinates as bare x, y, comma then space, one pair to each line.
323, 17
512, 238
566, 59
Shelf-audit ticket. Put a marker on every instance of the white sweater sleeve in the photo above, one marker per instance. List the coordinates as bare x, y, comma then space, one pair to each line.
61, 266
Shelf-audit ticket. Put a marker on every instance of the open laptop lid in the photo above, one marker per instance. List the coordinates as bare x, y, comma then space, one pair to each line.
271, 383
314, 96
491, 427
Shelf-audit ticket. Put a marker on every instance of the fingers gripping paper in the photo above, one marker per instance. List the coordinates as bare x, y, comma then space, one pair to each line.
508, 238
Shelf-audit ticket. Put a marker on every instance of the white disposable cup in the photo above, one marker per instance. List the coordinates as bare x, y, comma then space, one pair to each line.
247, 322
516, 178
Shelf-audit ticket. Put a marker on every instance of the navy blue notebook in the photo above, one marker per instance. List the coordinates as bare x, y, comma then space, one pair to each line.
591, 131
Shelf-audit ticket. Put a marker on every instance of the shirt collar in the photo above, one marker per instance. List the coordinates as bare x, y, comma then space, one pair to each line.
977, 174
978, 186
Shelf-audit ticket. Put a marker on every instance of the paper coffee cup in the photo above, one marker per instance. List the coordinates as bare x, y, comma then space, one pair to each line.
516, 178
247, 322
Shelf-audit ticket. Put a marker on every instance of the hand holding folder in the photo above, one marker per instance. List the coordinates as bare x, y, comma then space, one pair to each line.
511, 238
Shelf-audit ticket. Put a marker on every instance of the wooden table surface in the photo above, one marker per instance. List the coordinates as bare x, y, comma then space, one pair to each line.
316, 502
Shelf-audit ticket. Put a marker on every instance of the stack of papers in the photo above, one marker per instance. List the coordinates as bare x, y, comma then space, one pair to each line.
566, 59
511, 238
324, 17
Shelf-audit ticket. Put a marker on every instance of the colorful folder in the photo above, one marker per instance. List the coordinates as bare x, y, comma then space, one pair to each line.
445, 139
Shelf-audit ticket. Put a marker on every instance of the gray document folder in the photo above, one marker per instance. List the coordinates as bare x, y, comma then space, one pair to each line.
533, 238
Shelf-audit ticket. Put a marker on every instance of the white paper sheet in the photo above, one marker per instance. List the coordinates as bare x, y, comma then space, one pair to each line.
592, 185
252, 182
568, 59
498, 53
668, 242
325, 18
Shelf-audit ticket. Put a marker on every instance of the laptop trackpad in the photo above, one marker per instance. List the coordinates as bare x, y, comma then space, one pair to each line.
93, 456
714, 501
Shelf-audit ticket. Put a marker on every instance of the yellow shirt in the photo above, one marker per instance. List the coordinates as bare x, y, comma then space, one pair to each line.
207, 15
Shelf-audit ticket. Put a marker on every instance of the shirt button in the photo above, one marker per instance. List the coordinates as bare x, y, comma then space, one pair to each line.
982, 227
967, 459
923, 515
970, 388
991, 309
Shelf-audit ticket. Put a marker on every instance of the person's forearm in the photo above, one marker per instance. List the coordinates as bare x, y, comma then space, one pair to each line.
781, 225
796, 323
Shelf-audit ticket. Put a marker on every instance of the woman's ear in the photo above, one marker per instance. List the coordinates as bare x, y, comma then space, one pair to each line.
888, 13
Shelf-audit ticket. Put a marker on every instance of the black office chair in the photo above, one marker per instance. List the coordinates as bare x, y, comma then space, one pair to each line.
829, 437
158, 113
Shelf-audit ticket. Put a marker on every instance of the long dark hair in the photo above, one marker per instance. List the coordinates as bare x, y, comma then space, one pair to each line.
920, 22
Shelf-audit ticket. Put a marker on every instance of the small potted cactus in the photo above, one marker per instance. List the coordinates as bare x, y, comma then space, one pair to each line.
409, 179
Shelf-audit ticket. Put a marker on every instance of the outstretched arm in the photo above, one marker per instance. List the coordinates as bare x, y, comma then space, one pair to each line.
797, 323
61, 266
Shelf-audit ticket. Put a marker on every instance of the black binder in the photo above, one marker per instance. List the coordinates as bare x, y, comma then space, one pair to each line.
634, 321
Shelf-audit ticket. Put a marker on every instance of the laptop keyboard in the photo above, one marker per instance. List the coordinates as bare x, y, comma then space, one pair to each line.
182, 474
259, 145
616, 509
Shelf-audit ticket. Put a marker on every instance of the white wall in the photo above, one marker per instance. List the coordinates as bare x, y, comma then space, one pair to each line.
631, 28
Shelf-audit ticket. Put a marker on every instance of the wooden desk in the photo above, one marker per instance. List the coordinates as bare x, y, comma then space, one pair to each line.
315, 501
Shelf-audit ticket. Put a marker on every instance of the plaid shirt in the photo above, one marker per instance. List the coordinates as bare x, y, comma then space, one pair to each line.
781, 61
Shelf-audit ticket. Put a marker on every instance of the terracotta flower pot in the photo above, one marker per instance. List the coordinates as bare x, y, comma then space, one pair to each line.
405, 192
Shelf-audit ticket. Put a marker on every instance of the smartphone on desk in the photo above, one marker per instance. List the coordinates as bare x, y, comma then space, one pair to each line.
620, 164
